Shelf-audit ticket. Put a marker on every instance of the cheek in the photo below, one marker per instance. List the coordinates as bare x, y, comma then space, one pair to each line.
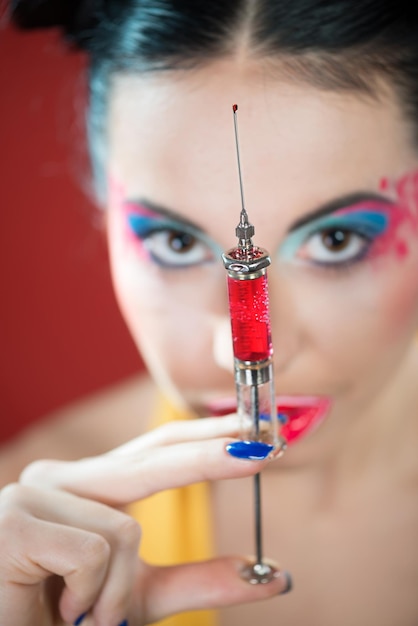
395, 285
170, 314
175, 339
169, 334
401, 307
360, 327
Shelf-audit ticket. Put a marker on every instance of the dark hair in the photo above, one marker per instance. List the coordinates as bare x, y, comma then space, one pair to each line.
333, 44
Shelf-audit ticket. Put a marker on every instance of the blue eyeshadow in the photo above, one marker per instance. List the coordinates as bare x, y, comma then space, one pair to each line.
141, 225
369, 223
366, 223
145, 226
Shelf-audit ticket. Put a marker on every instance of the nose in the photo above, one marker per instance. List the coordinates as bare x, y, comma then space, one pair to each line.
222, 343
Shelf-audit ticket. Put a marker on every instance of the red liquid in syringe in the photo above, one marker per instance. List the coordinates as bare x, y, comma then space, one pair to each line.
250, 322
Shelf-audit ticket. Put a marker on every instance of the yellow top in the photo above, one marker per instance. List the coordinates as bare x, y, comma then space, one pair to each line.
176, 526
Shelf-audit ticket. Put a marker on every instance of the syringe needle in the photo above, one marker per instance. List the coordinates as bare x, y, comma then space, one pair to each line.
244, 217
255, 405
257, 507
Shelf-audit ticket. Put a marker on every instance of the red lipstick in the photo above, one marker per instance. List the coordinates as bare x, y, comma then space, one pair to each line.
299, 415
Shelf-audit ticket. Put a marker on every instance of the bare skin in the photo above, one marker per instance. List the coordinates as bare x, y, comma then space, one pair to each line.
84, 428
67, 519
348, 533
340, 506
365, 518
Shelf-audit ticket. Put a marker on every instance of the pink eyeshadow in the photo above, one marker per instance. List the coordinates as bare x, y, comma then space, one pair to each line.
404, 212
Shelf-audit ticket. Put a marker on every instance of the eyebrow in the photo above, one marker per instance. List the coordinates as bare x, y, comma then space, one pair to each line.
164, 212
336, 204
324, 209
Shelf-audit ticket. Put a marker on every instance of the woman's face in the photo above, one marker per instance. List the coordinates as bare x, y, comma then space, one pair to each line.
329, 186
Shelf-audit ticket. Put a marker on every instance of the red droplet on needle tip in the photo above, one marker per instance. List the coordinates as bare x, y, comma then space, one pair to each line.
234, 107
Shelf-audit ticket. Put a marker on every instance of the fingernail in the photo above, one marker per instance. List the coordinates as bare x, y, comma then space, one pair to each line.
251, 450
79, 619
289, 582
124, 623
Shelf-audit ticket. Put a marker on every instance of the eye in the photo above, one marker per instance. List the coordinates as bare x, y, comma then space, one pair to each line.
176, 248
169, 244
338, 240
181, 242
333, 246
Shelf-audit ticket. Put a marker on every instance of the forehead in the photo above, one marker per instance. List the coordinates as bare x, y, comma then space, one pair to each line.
171, 139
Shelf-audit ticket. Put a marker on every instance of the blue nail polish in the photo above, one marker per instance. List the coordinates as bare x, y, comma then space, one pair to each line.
252, 450
79, 619
289, 582
124, 623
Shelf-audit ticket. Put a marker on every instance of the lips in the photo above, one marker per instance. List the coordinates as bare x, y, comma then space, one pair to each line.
299, 415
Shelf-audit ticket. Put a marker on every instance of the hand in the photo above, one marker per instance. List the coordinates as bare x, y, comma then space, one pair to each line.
62, 524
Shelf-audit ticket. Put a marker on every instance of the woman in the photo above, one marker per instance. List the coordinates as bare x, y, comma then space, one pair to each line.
328, 99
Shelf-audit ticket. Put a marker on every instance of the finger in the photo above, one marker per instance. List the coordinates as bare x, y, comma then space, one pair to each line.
40, 549
182, 431
206, 585
120, 531
111, 606
120, 479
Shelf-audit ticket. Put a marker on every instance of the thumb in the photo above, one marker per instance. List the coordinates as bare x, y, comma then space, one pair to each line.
205, 585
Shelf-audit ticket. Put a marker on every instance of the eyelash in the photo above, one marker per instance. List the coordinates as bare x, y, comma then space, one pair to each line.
364, 242
148, 234
148, 230
360, 230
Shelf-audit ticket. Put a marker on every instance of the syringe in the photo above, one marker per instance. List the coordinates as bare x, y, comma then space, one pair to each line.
246, 265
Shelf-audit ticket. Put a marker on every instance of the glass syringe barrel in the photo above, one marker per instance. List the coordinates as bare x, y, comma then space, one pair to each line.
250, 322
252, 345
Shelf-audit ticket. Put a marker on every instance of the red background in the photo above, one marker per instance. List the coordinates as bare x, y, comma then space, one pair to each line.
61, 334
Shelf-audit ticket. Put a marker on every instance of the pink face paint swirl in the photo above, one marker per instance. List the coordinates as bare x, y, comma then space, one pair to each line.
403, 214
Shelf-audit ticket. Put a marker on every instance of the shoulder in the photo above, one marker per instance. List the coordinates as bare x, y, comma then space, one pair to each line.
90, 426
112, 415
